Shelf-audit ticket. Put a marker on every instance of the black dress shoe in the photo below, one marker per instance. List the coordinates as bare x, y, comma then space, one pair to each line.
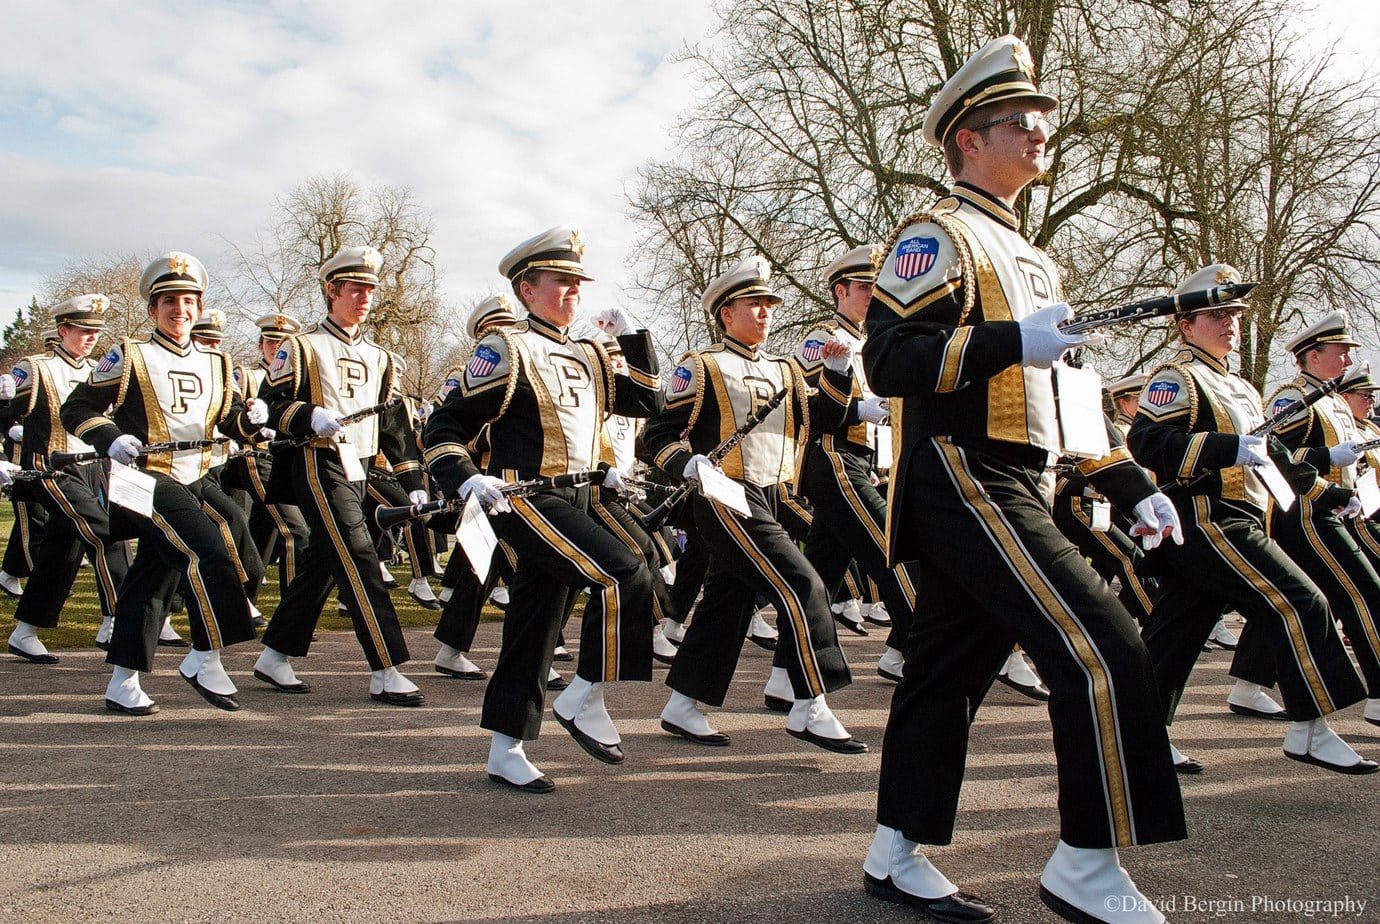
219, 700
1189, 766
837, 745
33, 658
1068, 911
113, 706
857, 628
425, 604
298, 687
391, 584
608, 753
103, 646
761, 641
463, 675
776, 703
415, 698
663, 659
888, 675
178, 642
1280, 716
258, 622
540, 784
716, 740
958, 908
557, 683
1360, 768
562, 656
1035, 691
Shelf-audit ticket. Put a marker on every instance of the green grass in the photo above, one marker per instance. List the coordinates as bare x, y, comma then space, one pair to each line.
81, 616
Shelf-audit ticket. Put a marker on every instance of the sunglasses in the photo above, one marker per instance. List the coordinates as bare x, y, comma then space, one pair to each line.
1221, 314
1025, 121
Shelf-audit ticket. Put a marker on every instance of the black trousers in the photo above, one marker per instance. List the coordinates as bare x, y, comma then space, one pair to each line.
1113, 553
384, 491
996, 572
340, 553
25, 537
691, 568
461, 613
77, 525
1320, 543
228, 513
179, 542
277, 530
560, 547
1227, 562
751, 556
850, 525
620, 519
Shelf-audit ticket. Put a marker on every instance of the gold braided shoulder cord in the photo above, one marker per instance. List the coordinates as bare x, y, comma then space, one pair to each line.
944, 220
515, 355
601, 356
1192, 385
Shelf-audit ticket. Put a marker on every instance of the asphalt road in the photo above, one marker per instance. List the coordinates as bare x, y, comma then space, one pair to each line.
329, 807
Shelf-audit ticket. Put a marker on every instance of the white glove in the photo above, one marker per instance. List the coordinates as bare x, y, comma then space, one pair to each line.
1343, 454
324, 423
488, 489
423, 413
1155, 519
417, 497
614, 321
613, 480
6, 386
1353, 508
1042, 342
258, 411
1250, 450
125, 449
692, 468
6, 467
17, 432
838, 358
874, 410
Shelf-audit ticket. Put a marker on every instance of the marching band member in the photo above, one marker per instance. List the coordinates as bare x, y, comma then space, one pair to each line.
1193, 430
166, 388
329, 371
543, 396
964, 329
712, 393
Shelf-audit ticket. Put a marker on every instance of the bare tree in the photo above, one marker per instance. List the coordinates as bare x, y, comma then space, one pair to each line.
1188, 133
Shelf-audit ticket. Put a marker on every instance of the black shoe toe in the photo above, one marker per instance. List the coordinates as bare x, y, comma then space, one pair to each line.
1188, 766
715, 740
608, 753
837, 745
1360, 768
540, 785
463, 675
113, 706
415, 698
173, 643
762, 641
958, 908
1280, 716
44, 658
219, 700
776, 703
1036, 691
298, 687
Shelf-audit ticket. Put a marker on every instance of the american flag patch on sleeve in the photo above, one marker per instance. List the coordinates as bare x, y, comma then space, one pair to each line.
108, 361
812, 351
680, 380
483, 362
1161, 393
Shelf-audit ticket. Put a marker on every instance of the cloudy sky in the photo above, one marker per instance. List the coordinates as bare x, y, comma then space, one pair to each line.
148, 126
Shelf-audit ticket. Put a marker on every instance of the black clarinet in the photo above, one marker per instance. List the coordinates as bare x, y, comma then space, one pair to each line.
389, 517
296, 442
1159, 306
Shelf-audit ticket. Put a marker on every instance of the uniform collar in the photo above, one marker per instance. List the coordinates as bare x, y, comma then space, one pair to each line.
340, 333
75, 362
742, 349
264, 364
1191, 352
852, 328
1311, 380
986, 203
1123, 419
171, 345
546, 329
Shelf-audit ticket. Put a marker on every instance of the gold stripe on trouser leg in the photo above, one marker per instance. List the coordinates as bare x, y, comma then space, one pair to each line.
342, 551
1298, 642
194, 579
615, 526
99, 562
588, 567
1106, 542
795, 607
855, 501
228, 538
21, 512
1367, 618
1116, 787
414, 557
289, 553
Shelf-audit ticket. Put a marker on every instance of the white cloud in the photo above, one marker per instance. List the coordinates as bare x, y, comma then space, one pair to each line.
154, 125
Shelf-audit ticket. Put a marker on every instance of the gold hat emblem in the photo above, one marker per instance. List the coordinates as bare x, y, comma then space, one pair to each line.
281, 320
98, 303
178, 264
1024, 63
504, 303
577, 242
1226, 275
